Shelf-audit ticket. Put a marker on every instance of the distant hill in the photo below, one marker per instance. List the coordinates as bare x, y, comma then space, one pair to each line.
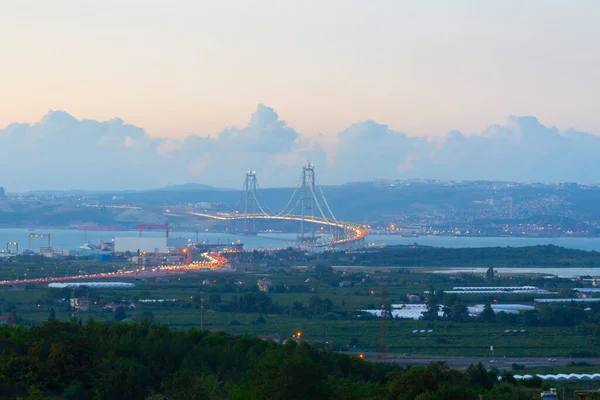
187, 187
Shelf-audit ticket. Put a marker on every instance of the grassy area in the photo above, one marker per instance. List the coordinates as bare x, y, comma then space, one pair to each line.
447, 338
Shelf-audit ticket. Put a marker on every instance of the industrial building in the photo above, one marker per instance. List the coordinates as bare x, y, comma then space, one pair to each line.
95, 285
149, 245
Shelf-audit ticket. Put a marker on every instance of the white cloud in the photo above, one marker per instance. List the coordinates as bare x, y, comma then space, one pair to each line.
63, 152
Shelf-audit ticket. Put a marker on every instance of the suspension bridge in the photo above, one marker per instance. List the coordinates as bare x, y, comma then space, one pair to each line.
307, 206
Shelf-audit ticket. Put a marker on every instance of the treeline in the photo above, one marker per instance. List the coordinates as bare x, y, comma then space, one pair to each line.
451, 307
71, 360
425, 256
263, 304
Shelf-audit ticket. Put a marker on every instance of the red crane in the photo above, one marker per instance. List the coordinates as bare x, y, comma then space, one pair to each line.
153, 226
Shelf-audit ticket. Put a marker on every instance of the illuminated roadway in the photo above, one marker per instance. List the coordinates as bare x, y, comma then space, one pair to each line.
215, 261
356, 232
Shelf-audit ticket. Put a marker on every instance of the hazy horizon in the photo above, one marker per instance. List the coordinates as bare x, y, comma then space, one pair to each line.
61, 152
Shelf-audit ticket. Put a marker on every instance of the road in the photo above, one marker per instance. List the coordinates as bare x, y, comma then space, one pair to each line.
463, 362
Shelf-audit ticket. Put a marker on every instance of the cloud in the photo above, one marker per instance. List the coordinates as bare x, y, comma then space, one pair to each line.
522, 149
368, 151
62, 152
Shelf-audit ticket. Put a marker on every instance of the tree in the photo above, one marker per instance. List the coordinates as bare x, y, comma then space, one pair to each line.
433, 306
120, 314
13, 318
458, 312
487, 315
214, 300
148, 317
479, 377
386, 310
187, 384
323, 271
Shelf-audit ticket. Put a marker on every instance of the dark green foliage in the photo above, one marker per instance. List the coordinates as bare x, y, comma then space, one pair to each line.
487, 315
258, 302
120, 314
69, 360
426, 256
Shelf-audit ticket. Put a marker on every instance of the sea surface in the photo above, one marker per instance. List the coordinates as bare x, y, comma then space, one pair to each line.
66, 239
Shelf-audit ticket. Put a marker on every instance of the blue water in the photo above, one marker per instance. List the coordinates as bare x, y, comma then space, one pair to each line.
63, 239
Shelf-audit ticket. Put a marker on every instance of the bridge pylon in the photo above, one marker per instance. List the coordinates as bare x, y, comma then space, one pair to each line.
250, 202
307, 207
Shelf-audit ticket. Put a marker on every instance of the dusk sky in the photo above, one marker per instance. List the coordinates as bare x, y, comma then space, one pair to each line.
186, 67
174, 91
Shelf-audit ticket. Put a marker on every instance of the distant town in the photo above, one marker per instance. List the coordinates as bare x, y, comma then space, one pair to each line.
384, 207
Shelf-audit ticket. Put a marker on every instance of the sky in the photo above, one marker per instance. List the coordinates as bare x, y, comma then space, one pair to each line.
329, 70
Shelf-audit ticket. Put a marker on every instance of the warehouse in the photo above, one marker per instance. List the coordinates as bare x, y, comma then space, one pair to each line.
134, 245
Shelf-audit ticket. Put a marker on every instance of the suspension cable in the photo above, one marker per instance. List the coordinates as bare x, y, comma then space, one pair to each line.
291, 199
292, 209
317, 202
269, 209
258, 204
326, 203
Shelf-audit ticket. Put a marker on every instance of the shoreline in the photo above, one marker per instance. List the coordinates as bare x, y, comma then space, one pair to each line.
406, 237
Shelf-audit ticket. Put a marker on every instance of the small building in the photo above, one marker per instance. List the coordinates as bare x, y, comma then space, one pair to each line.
264, 284
80, 303
345, 283
4, 320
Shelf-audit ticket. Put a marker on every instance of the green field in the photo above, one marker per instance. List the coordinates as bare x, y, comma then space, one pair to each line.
341, 329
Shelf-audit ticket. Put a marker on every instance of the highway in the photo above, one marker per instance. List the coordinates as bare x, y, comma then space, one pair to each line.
214, 261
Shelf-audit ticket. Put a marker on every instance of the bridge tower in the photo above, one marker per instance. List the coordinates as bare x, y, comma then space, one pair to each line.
306, 206
250, 200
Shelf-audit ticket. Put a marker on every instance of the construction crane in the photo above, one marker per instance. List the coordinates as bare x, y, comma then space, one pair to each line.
16, 244
38, 235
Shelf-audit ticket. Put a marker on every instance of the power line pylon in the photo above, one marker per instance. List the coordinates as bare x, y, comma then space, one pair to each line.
306, 206
383, 327
249, 200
